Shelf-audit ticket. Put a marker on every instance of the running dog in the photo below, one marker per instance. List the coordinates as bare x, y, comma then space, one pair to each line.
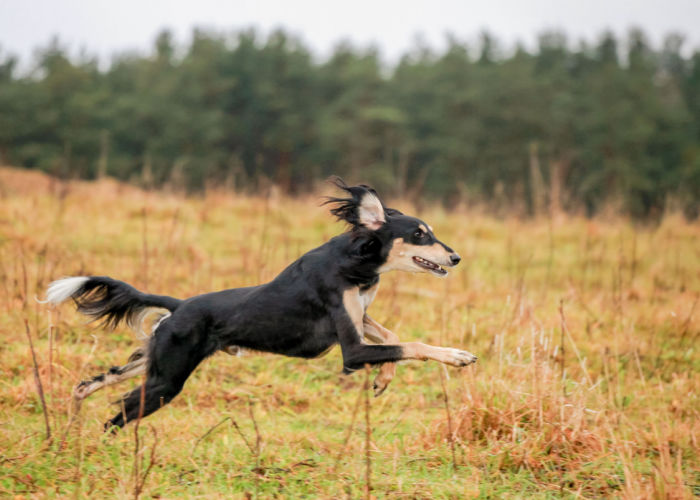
320, 300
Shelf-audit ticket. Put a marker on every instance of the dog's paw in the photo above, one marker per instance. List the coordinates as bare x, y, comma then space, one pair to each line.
383, 378
380, 384
456, 357
379, 388
81, 391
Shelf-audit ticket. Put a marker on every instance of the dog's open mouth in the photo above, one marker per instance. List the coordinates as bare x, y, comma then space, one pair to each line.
430, 266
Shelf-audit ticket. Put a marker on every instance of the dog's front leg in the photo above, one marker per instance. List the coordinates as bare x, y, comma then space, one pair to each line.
380, 335
349, 323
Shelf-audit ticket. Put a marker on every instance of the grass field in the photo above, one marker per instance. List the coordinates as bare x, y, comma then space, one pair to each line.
587, 333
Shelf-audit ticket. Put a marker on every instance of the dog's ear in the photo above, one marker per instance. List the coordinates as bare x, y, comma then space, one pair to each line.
391, 212
371, 210
363, 208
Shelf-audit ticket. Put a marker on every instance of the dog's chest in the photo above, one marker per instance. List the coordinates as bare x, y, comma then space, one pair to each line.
356, 301
367, 296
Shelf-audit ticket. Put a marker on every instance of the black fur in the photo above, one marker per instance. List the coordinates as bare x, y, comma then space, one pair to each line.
113, 301
300, 313
346, 208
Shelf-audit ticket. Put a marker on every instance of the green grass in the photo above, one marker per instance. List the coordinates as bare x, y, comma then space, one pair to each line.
622, 421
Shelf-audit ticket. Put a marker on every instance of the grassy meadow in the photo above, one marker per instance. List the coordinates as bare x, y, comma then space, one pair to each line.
587, 333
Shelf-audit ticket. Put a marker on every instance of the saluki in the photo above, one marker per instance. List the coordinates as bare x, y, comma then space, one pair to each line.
320, 300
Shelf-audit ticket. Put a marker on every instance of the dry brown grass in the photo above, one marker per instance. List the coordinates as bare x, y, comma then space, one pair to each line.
586, 331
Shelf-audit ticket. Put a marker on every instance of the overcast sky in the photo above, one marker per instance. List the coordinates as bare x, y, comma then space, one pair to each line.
104, 27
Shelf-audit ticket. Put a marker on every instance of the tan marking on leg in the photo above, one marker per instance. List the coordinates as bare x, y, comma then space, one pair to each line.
386, 335
380, 335
446, 355
372, 334
131, 369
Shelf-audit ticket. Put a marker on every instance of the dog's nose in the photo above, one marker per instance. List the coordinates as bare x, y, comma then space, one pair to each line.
455, 258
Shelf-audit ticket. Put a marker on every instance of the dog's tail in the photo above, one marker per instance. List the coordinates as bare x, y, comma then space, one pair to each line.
108, 299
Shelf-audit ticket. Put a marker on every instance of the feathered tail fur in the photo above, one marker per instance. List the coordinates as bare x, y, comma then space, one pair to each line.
109, 300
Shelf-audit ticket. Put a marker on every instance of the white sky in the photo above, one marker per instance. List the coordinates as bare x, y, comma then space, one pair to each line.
106, 27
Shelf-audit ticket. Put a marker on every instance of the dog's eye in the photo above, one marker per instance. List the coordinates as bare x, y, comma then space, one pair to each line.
419, 234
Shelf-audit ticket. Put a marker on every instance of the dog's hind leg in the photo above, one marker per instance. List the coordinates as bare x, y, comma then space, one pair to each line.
172, 358
136, 365
157, 393
377, 333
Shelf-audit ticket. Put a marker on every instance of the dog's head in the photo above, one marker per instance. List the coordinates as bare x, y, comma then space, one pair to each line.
394, 241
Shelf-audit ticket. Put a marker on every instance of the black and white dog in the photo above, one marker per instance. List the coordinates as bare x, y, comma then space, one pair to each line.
320, 300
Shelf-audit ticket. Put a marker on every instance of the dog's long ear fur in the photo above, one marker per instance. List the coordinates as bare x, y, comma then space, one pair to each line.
363, 208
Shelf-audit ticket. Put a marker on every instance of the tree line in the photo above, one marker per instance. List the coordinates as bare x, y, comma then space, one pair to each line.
614, 122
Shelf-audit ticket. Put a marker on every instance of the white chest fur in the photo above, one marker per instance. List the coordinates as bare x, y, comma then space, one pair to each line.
356, 302
367, 296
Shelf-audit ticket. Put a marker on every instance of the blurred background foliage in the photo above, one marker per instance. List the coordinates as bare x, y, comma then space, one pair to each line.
615, 123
